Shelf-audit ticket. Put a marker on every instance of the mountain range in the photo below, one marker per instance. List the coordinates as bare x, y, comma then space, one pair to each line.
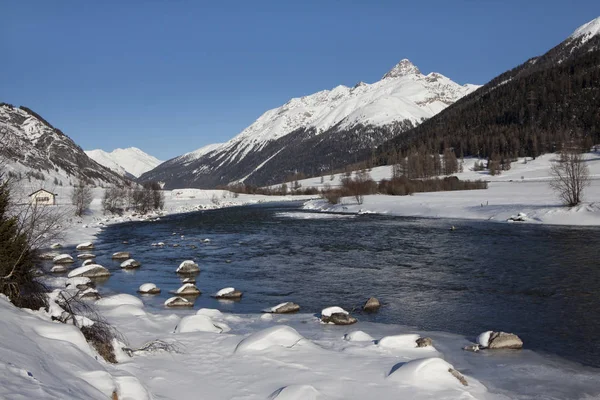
532, 109
316, 133
130, 162
31, 147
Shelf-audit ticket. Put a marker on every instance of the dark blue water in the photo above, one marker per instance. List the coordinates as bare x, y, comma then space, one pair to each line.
541, 282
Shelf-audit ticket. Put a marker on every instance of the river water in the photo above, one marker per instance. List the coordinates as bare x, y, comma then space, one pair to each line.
541, 282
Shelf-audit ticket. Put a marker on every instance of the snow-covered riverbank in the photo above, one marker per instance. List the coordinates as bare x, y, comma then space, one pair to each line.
523, 189
260, 357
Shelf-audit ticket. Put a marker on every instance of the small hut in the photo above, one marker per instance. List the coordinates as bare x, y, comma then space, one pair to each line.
43, 197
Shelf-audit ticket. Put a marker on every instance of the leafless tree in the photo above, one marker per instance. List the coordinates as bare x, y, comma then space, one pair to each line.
570, 175
81, 197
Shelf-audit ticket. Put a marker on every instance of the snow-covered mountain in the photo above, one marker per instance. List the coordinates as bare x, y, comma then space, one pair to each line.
31, 147
316, 133
127, 162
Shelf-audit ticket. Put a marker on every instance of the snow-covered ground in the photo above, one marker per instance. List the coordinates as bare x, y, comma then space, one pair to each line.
523, 189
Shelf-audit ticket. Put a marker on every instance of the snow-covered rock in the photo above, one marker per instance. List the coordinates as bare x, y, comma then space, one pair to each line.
90, 271
284, 308
337, 315
89, 294
177, 301
358, 336
296, 392
48, 256
58, 269
275, 336
121, 255
433, 373
406, 341
87, 262
80, 282
63, 259
56, 246
199, 323
86, 256
119, 300
148, 288
210, 312
228, 293
85, 246
130, 264
187, 289
188, 267
484, 338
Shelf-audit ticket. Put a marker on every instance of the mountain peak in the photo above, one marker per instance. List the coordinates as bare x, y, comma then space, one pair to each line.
586, 31
403, 68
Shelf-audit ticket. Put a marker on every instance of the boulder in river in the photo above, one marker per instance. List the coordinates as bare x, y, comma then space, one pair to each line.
48, 256
228, 293
90, 271
56, 246
86, 256
503, 340
188, 267
284, 308
87, 262
130, 264
58, 269
337, 316
188, 289
178, 302
148, 288
85, 246
371, 305
63, 259
121, 255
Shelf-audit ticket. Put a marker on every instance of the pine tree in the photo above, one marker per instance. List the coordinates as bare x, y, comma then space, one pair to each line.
17, 259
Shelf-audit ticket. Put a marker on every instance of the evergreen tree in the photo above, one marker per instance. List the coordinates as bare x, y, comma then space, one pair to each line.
17, 259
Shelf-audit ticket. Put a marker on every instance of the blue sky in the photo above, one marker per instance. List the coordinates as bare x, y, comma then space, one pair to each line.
171, 76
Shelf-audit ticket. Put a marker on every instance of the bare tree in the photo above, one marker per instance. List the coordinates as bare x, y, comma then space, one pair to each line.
570, 175
81, 197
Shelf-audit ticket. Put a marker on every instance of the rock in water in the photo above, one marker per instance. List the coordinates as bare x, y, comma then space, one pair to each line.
63, 259
228, 293
178, 302
188, 289
285, 308
340, 319
130, 264
188, 267
90, 271
148, 288
424, 342
86, 256
85, 246
371, 305
121, 255
503, 340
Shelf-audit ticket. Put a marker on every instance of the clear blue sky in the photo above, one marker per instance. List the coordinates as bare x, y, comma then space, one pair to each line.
172, 76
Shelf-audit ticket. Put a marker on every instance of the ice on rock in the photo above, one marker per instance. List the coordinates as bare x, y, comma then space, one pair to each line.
276, 336
296, 392
484, 339
200, 323
358, 336
224, 291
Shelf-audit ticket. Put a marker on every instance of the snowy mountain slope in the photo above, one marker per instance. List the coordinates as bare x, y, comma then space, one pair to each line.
30, 146
526, 111
403, 96
127, 162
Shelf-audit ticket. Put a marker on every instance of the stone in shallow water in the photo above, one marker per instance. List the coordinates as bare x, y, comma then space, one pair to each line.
285, 308
90, 271
503, 340
85, 246
130, 264
340, 319
372, 305
148, 288
178, 302
121, 255
188, 267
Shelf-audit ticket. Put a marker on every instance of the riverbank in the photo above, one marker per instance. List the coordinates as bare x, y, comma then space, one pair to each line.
523, 189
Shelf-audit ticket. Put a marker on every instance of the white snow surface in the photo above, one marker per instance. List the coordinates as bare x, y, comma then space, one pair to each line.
525, 188
587, 31
132, 160
484, 338
403, 94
